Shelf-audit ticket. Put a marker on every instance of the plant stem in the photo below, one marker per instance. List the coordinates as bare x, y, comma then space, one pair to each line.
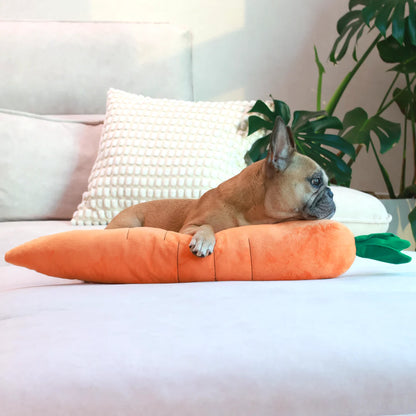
321, 71
333, 102
379, 111
384, 173
357, 152
403, 176
412, 116
382, 109
319, 93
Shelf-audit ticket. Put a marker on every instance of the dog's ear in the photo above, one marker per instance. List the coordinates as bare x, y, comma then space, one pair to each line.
281, 148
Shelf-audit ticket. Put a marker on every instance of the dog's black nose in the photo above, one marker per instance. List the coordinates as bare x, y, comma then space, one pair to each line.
329, 193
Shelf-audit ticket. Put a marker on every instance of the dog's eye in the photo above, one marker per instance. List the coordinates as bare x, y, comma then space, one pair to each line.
316, 182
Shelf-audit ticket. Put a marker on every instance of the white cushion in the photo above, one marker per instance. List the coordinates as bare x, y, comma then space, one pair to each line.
160, 148
362, 213
44, 164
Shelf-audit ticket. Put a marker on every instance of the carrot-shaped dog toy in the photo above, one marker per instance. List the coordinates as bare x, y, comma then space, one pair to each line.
286, 251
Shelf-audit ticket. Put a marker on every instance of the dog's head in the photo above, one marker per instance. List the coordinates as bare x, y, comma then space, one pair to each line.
296, 187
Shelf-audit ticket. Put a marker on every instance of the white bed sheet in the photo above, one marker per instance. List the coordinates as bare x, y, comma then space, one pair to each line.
344, 346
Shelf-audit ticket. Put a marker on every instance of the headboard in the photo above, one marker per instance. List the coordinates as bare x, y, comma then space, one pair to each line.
67, 67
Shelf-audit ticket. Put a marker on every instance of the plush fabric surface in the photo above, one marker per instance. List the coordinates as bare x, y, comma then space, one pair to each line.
14, 233
67, 67
160, 148
44, 164
344, 346
362, 213
286, 251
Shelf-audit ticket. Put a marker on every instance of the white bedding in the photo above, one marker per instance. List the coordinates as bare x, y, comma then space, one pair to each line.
344, 346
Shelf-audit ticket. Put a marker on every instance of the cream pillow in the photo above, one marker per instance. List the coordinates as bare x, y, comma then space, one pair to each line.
362, 213
44, 163
161, 148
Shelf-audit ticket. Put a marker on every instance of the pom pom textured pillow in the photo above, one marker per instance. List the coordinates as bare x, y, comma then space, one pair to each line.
161, 148
286, 251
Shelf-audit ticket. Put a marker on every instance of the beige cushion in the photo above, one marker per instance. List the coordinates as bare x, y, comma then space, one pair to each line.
160, 148
362, 213
67, 67
44, 164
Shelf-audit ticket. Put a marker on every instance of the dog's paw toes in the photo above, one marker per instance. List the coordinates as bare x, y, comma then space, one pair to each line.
195, 252
201, 248
202, 253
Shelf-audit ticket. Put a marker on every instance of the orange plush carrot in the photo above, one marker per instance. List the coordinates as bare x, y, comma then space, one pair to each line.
285, 251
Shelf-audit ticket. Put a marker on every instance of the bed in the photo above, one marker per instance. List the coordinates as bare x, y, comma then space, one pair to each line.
343, 346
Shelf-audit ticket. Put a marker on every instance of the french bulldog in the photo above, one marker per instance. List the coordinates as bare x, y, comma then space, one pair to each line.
284, 186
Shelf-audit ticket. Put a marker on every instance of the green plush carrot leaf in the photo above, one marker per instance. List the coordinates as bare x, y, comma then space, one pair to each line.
385, 247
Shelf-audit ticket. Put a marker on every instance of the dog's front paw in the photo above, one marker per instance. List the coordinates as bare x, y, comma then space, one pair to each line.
202, 245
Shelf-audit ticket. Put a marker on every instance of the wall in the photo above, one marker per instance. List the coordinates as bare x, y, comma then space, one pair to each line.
248, 49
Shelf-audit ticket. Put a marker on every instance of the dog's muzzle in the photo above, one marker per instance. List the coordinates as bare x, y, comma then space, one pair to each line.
321, 206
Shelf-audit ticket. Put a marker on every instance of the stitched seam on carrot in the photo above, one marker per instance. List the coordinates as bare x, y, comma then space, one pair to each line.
251, 259
177, 264
215, 269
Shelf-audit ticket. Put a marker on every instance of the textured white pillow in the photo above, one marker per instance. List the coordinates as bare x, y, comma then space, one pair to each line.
161, 148
362, 213
44, 164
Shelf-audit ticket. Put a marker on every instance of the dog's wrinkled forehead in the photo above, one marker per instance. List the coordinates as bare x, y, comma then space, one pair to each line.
309, 168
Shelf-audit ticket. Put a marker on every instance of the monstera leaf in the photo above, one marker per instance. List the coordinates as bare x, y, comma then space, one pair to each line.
380, 14
308, 129
358, 129
258, 150
352, 23
403, 53
406, 100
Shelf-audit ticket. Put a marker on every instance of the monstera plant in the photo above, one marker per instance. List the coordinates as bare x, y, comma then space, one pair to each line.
390, 28
309, 131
